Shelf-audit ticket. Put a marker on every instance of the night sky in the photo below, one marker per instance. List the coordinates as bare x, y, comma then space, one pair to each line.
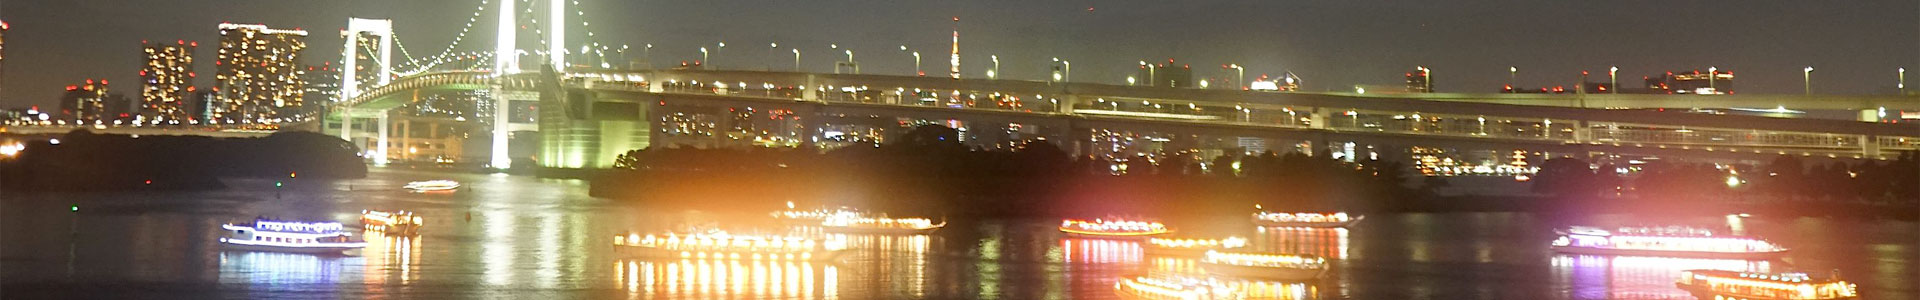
1854, 45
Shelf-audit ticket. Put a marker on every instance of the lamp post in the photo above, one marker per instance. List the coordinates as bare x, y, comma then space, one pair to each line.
1152, 79
916, 61
1240, 78
770, 48
851, 64
703, 58
647, 55
995, 72
1066, 70
1902, 86
1711, 76
1807, 78
716, 51
1513, 74
1613, 79
796, 59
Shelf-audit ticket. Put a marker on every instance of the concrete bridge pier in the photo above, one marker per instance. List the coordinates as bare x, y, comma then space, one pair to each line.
380, 157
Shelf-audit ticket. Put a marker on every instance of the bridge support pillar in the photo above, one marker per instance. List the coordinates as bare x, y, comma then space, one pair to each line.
1580, 132
1869, 147
499, 159
381, 158
806, 91
346, 123
1318, 118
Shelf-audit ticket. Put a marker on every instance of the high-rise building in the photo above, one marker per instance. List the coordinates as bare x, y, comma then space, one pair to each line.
1420, 80
202, 103
323, 83
85, 102
3, 49
259, 71
168, 77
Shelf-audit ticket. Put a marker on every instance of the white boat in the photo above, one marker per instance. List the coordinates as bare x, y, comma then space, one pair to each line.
1722, 284
1664, 242
295, 237
1307, 220
433, 185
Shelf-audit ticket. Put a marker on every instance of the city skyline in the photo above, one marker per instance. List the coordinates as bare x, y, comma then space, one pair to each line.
1332, 45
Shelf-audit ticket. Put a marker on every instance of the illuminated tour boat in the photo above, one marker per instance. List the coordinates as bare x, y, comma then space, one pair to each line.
1731, 285
296, 237
1190, 247
861, 225
1664, 242
727, 246
401, 223
812, 217
1101, 228
1142, 287
433, 185
1282, 267
1309, 220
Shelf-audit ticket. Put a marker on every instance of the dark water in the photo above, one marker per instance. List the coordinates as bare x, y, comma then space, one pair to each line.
534, 238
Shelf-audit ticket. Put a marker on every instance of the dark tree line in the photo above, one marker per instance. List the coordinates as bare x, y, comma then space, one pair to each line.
927, 171
1786, 179
86, 161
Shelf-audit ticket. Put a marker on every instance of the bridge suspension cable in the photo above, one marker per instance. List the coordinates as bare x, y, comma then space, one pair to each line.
423, 64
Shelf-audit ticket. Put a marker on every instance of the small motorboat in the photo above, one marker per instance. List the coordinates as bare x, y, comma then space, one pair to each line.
432, 186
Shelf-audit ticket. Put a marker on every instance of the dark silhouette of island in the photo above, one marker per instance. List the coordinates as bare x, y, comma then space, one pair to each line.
928, 172
85, 161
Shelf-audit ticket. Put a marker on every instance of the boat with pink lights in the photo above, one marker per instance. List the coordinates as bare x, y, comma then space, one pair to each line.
1672, 241
1104, 228
1281, 267
1307, 220
285, 236
1722, 284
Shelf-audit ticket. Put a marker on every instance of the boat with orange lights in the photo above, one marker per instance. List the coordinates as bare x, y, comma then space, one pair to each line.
294, 237
727, 246
1142, 287
400, 223
851, 224
1722, 284
1282, 267
1190, 247
1674, 241
1103, 228
1307, 220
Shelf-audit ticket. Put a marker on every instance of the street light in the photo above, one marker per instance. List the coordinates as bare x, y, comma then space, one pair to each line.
796, 59
916, 61
1513, 74
850, 63
1711, 76
1613, 79
1066, 72
1807, 78
1242, 77
1152, 79
770, 48
995, 72
703, 58
1903, 82
647, 54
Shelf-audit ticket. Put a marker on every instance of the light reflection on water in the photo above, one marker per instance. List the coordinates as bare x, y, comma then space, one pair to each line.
1634, 277
543, 238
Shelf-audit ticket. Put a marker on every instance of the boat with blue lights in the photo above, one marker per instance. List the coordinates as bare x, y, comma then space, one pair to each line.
287, 236
1672, 241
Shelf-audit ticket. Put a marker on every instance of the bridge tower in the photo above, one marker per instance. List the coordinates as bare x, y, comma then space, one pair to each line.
382, 31
507, 62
